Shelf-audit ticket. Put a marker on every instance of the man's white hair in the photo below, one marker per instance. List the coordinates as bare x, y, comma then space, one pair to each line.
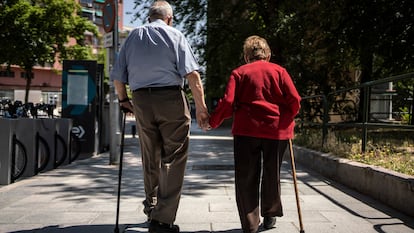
160, 10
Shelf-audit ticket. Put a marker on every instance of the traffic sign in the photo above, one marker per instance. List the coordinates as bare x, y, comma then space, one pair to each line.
109, 15
108, 40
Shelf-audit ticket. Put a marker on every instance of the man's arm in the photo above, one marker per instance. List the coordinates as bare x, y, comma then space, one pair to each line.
123, 99
196, 86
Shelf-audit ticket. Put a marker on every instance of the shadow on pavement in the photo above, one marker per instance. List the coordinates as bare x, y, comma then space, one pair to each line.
106, 228
73, 229
391, 215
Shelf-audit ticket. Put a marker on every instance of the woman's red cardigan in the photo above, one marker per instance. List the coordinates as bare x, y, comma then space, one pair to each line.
262, 99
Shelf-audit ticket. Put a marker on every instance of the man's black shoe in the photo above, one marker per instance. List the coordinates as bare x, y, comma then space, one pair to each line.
158, 227
269, 222
147, 209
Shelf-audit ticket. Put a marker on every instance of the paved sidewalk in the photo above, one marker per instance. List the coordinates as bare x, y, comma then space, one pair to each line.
81, 197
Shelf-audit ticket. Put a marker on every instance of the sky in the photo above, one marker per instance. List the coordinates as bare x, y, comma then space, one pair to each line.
129, 7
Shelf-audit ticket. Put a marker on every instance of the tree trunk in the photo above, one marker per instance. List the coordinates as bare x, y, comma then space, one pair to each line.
28, 76
366, 57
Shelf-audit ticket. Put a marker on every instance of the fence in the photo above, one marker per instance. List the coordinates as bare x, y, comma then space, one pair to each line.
343, 109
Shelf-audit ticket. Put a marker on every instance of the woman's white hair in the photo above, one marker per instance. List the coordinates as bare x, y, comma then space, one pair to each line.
256, 48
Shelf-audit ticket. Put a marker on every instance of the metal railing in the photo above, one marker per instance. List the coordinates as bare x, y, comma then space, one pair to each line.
343, 108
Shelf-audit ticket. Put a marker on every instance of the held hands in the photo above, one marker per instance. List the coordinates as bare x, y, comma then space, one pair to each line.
203, 120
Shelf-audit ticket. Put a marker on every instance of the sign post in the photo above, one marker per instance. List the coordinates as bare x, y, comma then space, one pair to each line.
110, 21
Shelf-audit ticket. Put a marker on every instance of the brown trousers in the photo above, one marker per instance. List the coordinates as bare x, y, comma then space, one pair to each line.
257, 165
163, 122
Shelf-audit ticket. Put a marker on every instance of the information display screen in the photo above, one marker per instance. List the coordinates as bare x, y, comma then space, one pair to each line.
77, 92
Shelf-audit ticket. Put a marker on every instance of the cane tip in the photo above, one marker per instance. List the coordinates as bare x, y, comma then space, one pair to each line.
302, 231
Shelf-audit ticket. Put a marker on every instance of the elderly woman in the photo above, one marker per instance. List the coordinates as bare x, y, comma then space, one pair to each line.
263, 101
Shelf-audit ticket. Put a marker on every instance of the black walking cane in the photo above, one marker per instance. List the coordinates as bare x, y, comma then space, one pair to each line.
292, 160
116, 230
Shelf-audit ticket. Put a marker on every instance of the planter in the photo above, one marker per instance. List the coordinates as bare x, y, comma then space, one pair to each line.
389, 187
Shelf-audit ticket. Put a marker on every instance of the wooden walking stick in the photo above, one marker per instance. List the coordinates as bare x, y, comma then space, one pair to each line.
292, 160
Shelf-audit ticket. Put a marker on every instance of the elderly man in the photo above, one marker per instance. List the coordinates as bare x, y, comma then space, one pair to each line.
154, 61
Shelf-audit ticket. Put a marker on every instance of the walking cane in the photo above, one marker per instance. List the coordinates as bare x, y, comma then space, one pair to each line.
292, 159
116, 230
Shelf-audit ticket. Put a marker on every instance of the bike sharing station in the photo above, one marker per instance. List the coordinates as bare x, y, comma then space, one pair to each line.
29, 146
83, 103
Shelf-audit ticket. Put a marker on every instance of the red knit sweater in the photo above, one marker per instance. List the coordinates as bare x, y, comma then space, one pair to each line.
262, 99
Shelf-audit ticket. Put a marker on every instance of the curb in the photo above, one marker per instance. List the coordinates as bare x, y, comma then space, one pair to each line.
389, 187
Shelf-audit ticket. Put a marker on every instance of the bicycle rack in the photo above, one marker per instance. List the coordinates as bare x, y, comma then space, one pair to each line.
41, 159
59, 140
62, 140
29, 146
74, 148
19, 159
46, 129
26, 132
7, 144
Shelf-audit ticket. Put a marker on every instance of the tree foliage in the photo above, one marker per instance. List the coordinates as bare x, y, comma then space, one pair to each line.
326, 45
321, 42
36, 32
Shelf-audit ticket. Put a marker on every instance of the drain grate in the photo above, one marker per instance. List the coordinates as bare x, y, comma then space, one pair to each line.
213, 167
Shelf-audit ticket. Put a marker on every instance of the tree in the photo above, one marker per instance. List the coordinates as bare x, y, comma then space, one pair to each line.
321, 43
37, 32
380, 33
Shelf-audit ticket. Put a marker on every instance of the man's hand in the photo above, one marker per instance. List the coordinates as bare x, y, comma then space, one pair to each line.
196, 86
124, 102
202, 120
126, 107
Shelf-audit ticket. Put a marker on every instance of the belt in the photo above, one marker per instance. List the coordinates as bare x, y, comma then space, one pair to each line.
149, 89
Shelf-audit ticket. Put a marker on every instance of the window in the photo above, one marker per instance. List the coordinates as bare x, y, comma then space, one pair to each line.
89, 3
51, 97
24, 75
7, 73
89, 14
6, 94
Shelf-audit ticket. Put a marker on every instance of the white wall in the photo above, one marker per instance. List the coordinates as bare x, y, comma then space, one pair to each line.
35, 96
